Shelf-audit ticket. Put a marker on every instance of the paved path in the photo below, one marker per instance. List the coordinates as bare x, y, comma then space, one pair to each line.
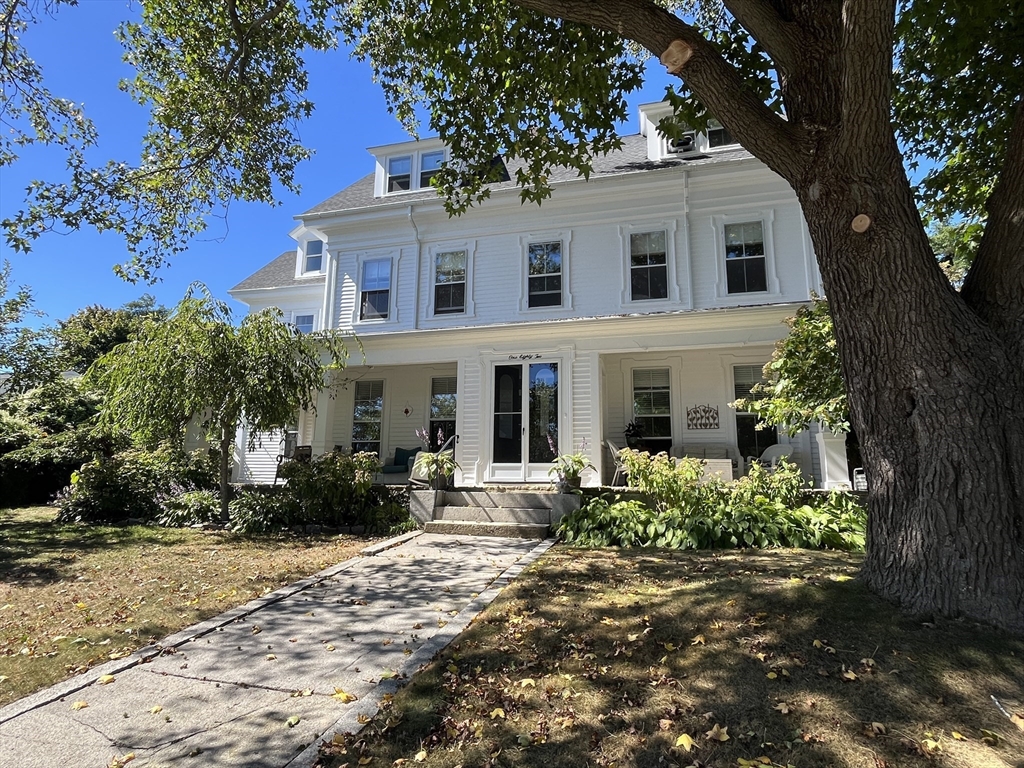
228, 688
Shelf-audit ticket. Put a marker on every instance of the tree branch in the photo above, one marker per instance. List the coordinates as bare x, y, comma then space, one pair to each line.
994, 287
773, 140
780, 38
866, 88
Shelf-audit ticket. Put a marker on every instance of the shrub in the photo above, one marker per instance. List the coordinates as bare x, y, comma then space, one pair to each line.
334, 489
57, 406
34, 473
190, 508
134, 484
763, 509
262, 510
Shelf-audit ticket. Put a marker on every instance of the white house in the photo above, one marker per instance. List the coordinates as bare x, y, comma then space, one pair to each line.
654, 293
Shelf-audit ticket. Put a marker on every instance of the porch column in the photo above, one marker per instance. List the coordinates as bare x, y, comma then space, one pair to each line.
323, 427
586, 417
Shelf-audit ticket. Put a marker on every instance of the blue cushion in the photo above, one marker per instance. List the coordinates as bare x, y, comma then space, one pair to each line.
402, 457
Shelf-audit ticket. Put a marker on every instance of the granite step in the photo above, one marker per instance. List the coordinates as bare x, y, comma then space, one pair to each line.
534, 516
473, 528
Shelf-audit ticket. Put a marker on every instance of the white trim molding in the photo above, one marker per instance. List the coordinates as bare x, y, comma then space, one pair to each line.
429, 275
669, 227
564, 236
766, 217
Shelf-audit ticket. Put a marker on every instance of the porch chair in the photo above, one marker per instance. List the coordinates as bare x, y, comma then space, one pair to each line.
301, 453
620, 468
771, 457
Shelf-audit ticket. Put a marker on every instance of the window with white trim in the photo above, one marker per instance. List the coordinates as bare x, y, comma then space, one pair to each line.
303, 323
648, 266
652, 407
544, 274
750, 440
719, 136
367, 415
314, 256
443, 407
430, 163
375, 290
745, 265
399, 173
450, 282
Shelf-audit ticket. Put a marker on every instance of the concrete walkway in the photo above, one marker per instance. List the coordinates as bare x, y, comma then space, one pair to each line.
253, 687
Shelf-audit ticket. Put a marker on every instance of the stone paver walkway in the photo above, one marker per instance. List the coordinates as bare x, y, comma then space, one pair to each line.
253, 687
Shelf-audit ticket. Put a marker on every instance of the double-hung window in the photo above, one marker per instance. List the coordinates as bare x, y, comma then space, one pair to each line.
367, 414
375, 298
314, 256
399, 173
652, 407
745, 267
719, 136
443, 407
450, 282
545, 274
303, 323
648, 266
430, 163
750, 440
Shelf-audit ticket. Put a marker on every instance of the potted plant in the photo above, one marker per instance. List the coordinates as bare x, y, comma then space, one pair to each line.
438, 466
569, 467
634, 434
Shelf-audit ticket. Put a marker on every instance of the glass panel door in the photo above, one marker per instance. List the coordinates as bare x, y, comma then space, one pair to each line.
508, 414
543, 413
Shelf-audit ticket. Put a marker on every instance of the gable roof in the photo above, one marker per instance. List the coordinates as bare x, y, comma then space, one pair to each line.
632, 158
277, 274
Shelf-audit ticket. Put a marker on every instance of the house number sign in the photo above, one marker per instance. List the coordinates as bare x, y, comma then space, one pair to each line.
525, 357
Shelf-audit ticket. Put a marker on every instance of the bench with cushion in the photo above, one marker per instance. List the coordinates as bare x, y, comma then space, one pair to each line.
401, 463
715, 454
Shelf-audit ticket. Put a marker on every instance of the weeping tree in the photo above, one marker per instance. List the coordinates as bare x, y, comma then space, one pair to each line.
198, 364
822, 92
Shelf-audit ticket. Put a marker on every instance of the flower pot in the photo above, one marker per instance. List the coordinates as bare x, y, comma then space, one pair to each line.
569, 484
440, 483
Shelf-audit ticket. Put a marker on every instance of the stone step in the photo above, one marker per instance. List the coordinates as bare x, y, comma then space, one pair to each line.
494, 515
471, 528
508, 499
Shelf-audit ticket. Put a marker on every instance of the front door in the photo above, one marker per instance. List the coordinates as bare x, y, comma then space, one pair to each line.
523, 449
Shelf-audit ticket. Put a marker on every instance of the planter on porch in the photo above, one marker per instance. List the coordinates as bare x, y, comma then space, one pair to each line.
569, 484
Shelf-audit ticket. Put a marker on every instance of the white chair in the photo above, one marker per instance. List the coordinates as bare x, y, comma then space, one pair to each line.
620, 469
771, 457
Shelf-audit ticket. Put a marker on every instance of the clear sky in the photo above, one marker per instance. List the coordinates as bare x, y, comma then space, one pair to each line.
81, 61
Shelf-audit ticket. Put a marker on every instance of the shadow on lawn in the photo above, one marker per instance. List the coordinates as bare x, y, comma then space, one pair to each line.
658, 644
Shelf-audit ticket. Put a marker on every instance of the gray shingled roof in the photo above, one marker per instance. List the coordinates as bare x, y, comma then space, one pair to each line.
632, 158
277, 274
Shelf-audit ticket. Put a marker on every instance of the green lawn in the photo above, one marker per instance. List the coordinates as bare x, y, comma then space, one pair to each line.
72, 596
662, 658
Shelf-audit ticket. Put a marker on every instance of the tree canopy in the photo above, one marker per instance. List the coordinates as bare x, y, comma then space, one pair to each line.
93, 331
26, 353
197, 364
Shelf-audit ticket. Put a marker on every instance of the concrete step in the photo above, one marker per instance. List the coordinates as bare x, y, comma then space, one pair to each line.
472, 528
494, 515
506, 499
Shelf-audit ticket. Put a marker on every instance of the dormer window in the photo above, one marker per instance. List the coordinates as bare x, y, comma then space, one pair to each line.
399, 173
314, 256
719, 136
430, 163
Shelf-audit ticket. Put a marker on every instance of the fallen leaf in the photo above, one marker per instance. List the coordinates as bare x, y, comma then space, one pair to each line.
685, 741
1017, 720
4, 678
106, 679
271, 657
783, 707
930, 745
771, 675
292, 721
698, 640
79, 705
420, 756
665, 724
849, 675
529, 681
498, 712
718, 733
670, 647
387, 674
156, 710
365, 760
342, 696
256, 629
990, 737
958, 736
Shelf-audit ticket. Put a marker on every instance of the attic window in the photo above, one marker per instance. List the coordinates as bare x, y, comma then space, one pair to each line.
314, 256
430, 163
719, 136
399, 173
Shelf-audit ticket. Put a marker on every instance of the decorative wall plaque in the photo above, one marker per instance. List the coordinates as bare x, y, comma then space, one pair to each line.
702, 417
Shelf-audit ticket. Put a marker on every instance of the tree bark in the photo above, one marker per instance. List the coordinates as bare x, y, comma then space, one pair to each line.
226, 439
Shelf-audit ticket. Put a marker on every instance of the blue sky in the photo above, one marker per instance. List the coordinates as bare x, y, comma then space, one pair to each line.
81, 61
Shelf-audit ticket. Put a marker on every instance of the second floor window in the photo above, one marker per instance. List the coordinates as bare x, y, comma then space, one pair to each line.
648, 267
314, 256
450, 282
399, 173
745, 268
545, 274
375, 297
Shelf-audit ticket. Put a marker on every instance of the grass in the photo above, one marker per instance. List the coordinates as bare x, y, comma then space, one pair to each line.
664, 658
72, 596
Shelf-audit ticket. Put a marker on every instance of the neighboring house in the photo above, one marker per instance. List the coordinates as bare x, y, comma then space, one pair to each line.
654, 292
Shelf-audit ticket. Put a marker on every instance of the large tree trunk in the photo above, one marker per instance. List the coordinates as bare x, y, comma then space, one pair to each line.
935, 395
